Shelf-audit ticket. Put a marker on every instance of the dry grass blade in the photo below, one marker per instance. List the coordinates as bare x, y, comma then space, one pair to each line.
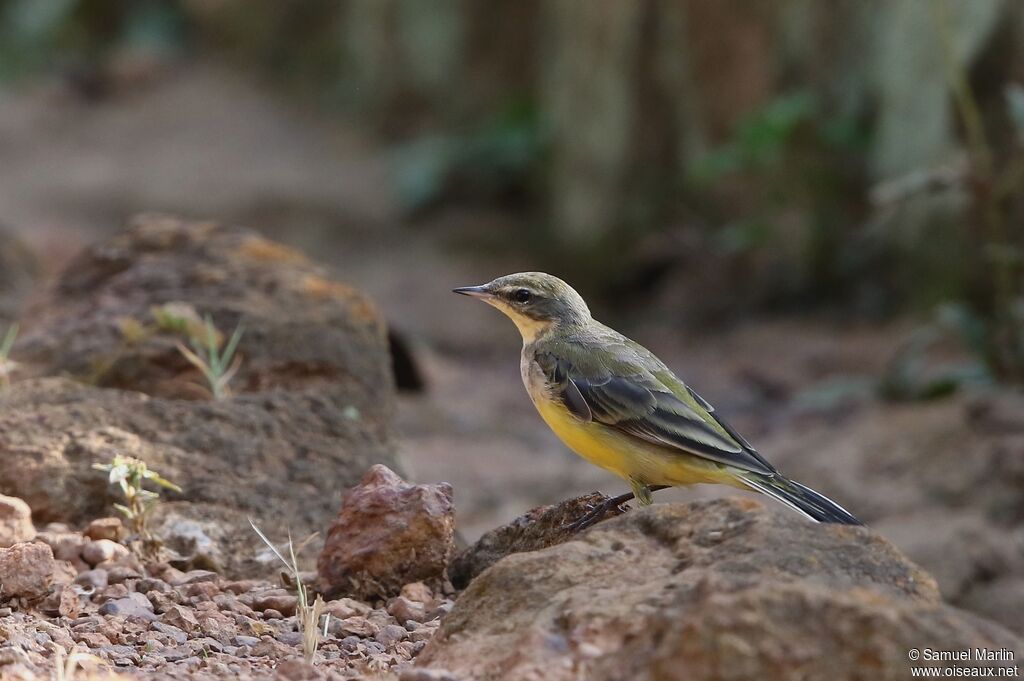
67, 665
307, 615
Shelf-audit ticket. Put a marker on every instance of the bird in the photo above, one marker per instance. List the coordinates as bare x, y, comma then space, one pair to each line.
615, 404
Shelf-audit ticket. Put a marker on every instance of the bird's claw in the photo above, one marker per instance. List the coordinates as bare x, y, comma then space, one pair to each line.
595, 514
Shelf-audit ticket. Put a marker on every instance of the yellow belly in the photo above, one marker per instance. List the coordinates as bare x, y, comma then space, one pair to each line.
629, 457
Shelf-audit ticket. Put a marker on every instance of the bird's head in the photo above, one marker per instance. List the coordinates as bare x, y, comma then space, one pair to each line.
535, 301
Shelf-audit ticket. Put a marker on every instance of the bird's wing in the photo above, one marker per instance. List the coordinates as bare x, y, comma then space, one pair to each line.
654, 406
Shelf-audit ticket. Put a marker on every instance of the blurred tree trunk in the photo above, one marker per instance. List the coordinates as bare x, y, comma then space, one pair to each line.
910, 68
589, 100
413, 65
631, 92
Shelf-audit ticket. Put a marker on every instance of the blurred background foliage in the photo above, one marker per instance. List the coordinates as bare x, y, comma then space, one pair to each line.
855, 157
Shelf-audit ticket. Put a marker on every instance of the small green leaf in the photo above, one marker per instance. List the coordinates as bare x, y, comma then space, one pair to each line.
163, 482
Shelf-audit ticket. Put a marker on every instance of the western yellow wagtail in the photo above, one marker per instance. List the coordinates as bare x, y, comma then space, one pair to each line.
613, 402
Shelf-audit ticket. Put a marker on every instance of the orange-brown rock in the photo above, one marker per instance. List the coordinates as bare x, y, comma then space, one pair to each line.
388, 533
26, 570
15, 521
309, 409
722, 590
538, 528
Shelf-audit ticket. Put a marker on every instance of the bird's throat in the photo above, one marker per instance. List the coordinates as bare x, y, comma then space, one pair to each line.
529, 328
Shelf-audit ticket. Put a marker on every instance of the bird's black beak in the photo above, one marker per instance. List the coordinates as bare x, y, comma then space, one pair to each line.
474, 291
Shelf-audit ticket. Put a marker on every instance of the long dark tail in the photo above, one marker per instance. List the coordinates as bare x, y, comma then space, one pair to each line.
801, 499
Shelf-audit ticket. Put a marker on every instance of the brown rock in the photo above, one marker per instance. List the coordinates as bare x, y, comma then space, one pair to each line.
180, 617
420, 674
311, 407
15, 521
94, 579
538, 528
64, 572
403, 610
111, 592
715, 590
344, 608
133, 605
97, 551
63, 601
26, 570
354, 626
914, 473
106, 528
388, 533
390, 634
274, 599
65, 545
418, 592
119, 574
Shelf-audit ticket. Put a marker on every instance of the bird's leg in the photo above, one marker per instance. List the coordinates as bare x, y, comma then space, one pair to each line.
598, 512
642, 493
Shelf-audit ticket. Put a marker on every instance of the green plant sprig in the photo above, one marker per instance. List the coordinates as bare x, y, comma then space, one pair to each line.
218, 365
131, 474
6, 364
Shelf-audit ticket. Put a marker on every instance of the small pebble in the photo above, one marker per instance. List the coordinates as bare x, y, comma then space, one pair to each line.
97, 551
96, 579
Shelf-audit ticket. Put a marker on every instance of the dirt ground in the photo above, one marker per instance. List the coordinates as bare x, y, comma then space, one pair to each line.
201, 142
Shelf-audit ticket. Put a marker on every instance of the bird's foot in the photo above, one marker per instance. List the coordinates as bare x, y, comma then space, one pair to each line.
599, 511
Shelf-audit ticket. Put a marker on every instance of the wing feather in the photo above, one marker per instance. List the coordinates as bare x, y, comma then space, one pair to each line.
639, 404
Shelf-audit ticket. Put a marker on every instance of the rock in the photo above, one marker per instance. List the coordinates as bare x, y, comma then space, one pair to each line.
388, 533
119, 574
196, 577
709, 590
106, 528
353, 626
403, 610
97, 551
390, 634
418, 592
63, 601
538, 528
65, 545
297, 670
344, 608
201, 541
112, 592
15, 521
272, 599
905, 471
311, 404
134, 605
94, 579
26, 570
64, 572
984, 549
181, 618
420, 674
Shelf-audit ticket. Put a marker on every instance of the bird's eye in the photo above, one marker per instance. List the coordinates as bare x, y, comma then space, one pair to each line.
522, 295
